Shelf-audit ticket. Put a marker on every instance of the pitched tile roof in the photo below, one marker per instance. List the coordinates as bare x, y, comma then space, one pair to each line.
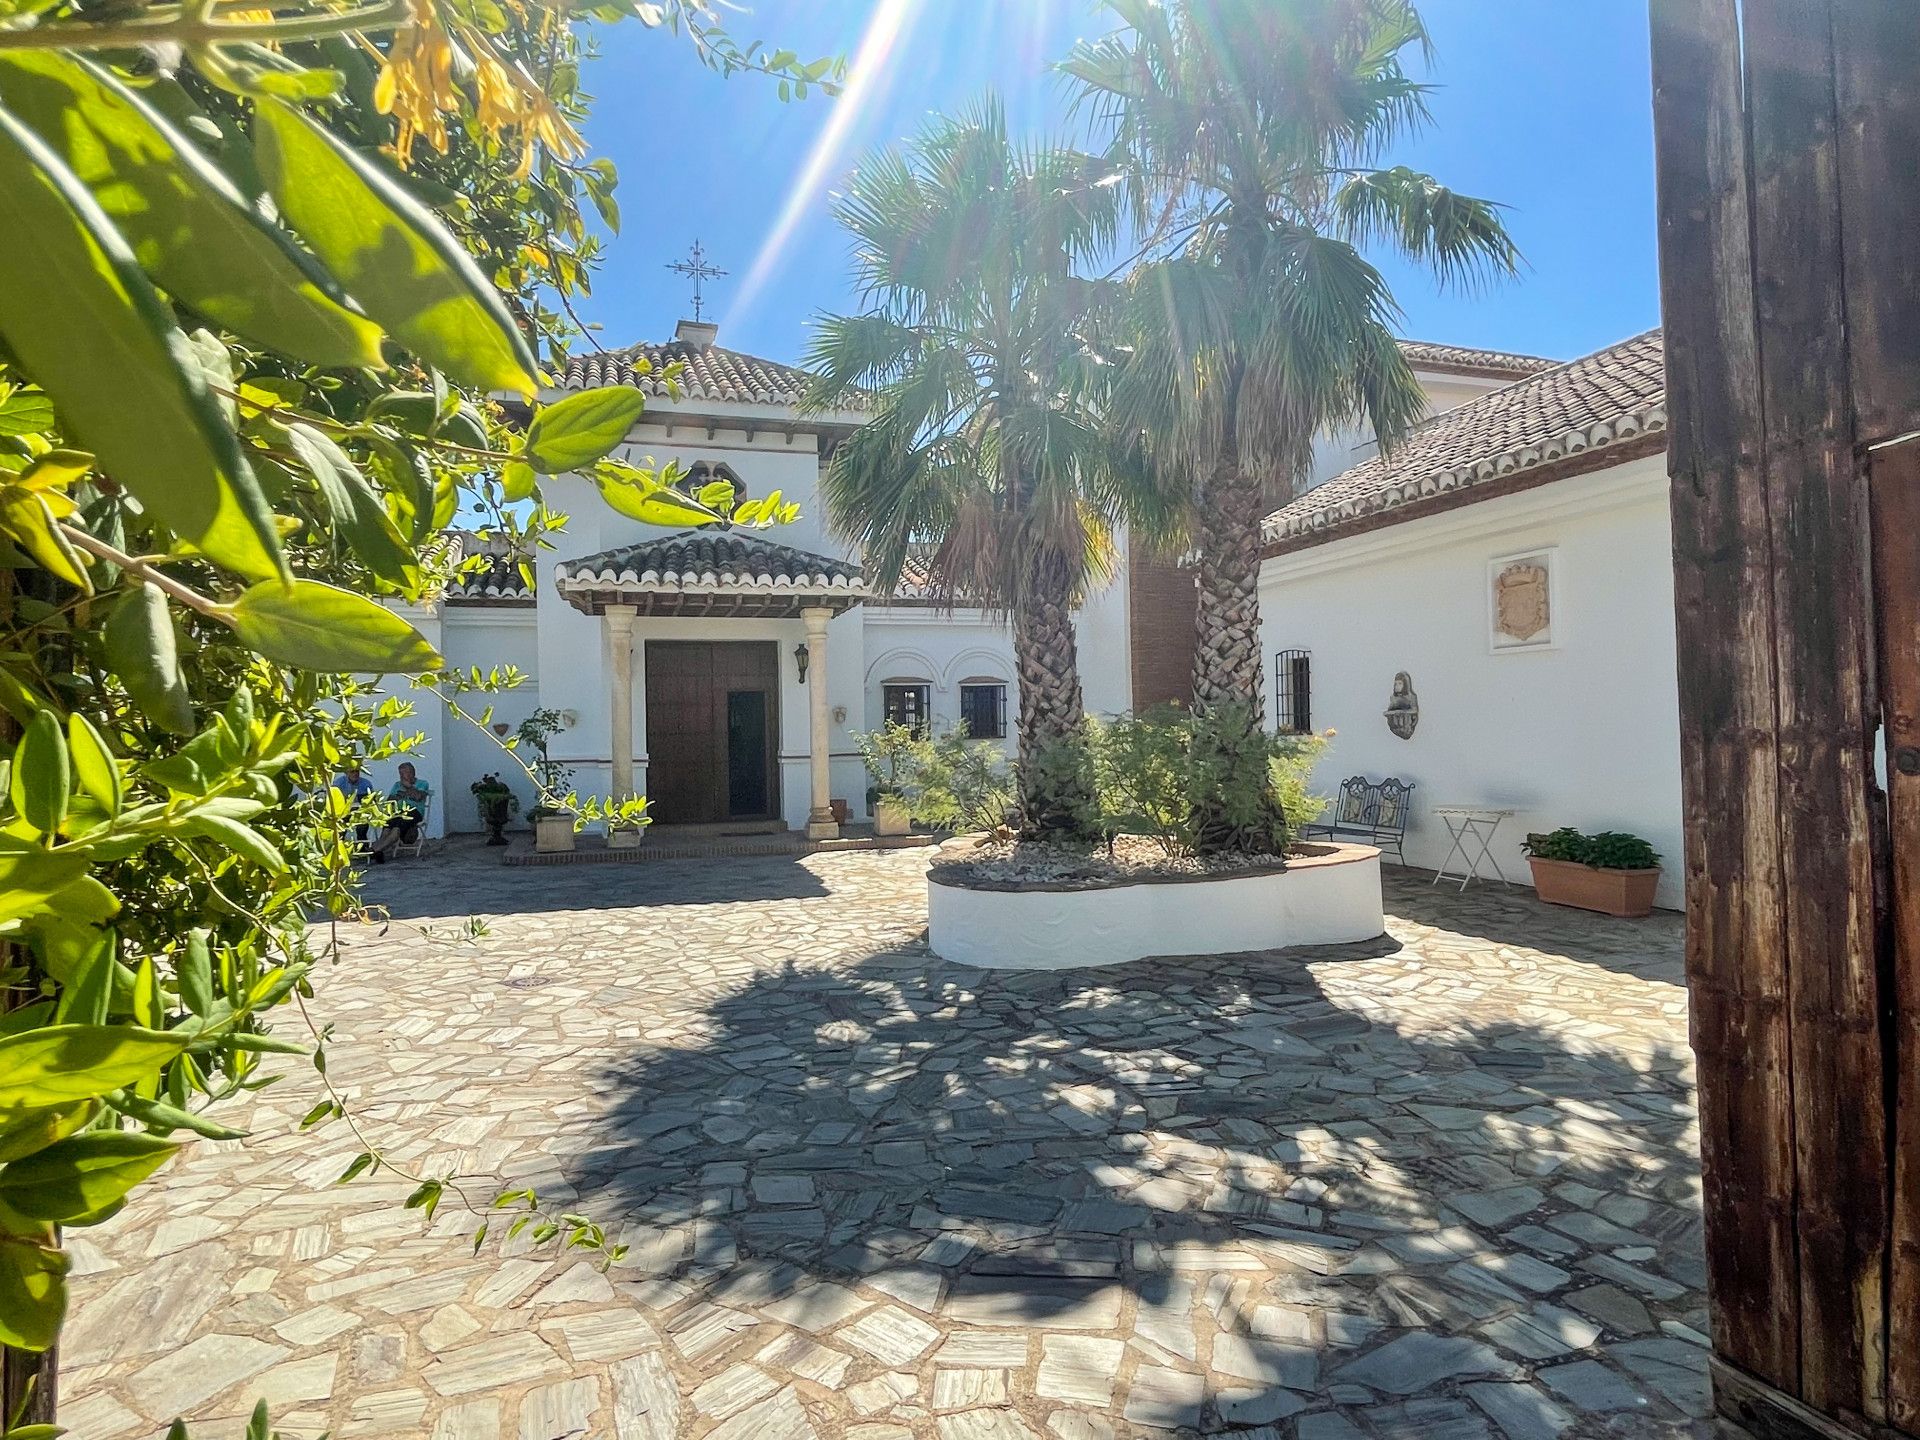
708, 562
1543, 423
707, 372
493, 575
1426, 355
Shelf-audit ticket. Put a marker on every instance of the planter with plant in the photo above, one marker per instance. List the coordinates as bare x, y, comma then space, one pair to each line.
944, 782
1611, 872
496, 804
889, 757
553, 820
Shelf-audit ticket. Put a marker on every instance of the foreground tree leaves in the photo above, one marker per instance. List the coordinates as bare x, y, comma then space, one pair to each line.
582, 428
33, 1286
79, 1177
145, 655
314, 626
59, 1064
84, 321
391, 255
186, 222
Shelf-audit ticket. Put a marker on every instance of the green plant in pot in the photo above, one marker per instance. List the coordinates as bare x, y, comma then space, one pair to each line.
891, 757
496, 804
1610, 871
553, 819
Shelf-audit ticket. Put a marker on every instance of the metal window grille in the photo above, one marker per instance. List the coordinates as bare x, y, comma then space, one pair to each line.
905, 705
983, 709
1293, 691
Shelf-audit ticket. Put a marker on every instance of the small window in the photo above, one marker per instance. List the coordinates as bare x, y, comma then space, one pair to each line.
905, 704
1293, 692
983, 709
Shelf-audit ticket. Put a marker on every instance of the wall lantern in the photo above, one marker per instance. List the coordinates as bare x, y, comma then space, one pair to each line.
800, 658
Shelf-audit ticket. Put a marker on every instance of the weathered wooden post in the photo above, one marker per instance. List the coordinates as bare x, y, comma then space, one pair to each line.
1788, 140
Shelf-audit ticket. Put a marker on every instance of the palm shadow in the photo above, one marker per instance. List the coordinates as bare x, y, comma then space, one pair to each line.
1246, 1153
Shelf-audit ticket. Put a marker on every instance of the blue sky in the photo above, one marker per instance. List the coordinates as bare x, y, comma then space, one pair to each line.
1543, 105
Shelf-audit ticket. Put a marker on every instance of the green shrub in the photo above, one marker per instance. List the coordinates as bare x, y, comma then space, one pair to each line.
945, 782
1606, 850
1158, 773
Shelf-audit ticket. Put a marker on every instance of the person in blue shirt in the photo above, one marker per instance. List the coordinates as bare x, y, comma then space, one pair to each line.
409, 795
355, 786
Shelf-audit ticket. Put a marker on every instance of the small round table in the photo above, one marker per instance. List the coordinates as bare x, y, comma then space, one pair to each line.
1472, 828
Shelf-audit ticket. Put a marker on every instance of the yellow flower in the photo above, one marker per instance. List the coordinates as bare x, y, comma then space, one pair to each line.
416, 80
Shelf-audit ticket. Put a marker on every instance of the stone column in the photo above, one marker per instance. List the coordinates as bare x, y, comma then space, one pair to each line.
820, 822
620, 731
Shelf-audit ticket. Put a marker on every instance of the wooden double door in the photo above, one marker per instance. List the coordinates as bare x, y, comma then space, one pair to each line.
713, 727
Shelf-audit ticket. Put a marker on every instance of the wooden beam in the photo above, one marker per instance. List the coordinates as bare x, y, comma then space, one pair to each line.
1827, 704
1894, 487
1765, 1413
1878, 105
1730, 771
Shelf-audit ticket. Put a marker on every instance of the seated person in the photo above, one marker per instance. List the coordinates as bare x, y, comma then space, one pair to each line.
351, 783
409, 793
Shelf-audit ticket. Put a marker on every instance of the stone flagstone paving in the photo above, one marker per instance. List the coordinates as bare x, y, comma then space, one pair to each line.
1441, 1185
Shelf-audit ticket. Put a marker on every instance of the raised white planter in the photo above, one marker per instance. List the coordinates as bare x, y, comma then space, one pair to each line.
1328, 898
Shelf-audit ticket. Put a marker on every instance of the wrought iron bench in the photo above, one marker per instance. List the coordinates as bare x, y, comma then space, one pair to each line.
1374, 811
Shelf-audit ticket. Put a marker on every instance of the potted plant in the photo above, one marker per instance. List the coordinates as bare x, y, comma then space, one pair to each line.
496, 804
552, 819
1610, 872
891, 757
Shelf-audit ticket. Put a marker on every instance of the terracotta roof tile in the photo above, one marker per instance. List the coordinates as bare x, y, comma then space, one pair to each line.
493, 577
1587, 404
1424, 354
707, 372
707, 558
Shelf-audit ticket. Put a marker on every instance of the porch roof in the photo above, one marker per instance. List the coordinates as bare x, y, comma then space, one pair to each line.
710, 573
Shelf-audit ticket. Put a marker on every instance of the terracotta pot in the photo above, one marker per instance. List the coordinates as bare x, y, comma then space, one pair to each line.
553, 832
891, 818
839, 811
1626, 893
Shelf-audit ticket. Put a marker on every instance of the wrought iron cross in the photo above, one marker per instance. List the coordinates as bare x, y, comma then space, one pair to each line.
696, 268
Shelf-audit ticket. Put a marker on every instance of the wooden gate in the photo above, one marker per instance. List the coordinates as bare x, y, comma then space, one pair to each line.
1788, 138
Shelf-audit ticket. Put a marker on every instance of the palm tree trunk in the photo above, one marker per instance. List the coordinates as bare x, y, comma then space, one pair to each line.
1056, 790
1241, 813
1226, 652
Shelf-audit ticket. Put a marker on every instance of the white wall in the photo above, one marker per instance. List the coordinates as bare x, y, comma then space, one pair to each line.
1583, 734
487, 636
1101, 641
918, 644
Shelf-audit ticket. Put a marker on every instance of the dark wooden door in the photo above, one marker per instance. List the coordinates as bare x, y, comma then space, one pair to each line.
1789, 199
712, 722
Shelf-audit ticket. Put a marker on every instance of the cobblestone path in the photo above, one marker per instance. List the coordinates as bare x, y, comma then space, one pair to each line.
1443, 1185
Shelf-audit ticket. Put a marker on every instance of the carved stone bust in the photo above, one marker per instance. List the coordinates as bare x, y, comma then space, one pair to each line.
1403, 707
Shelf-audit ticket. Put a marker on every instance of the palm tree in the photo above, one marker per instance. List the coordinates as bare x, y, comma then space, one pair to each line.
986, 455
1248, 130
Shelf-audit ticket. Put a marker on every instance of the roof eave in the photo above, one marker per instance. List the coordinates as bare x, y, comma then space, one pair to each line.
1652, 441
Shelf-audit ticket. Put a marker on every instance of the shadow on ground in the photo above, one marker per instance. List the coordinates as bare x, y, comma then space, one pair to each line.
467, 879
1400, 1184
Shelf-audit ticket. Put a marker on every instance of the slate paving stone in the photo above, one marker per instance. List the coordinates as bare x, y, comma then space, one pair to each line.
1591, 1387
1521, 1411
1415, 1362
1166, 1398
1343, 1192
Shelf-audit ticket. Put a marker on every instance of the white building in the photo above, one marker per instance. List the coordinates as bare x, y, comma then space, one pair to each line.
1513, 557
720, 673
724, 673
